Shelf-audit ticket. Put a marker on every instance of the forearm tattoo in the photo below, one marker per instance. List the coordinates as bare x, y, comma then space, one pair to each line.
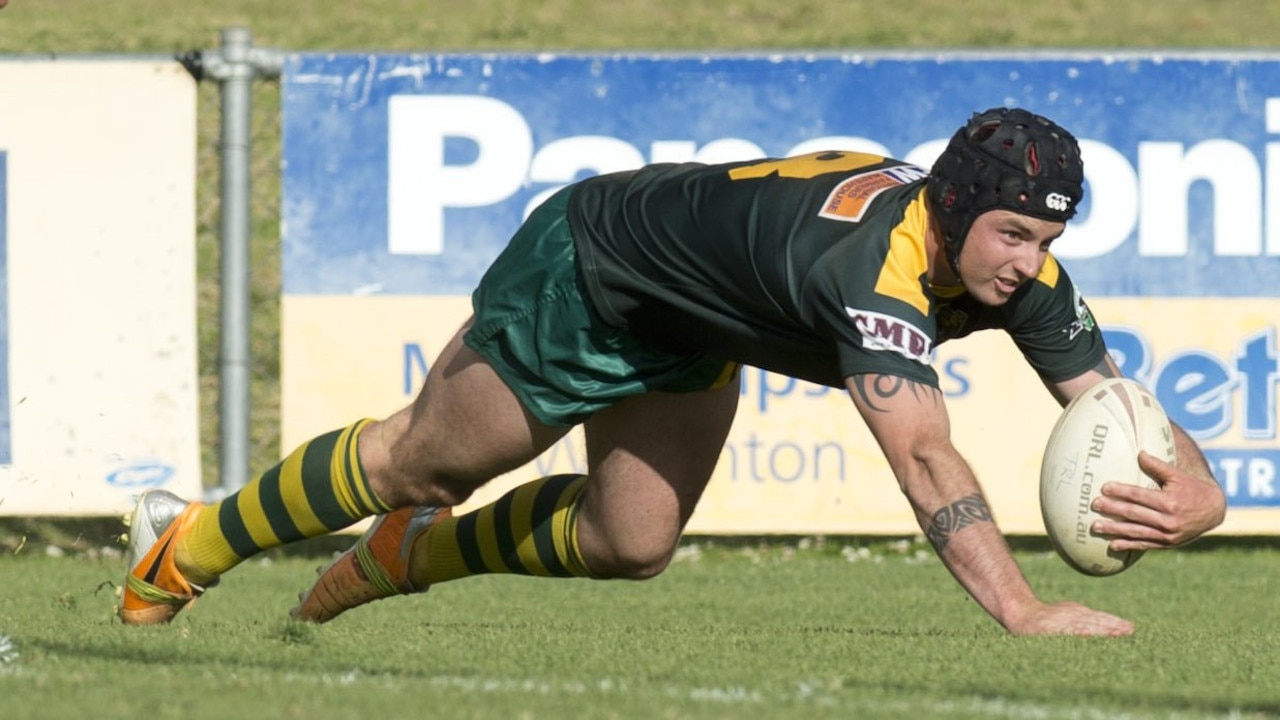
872, 388
956, 517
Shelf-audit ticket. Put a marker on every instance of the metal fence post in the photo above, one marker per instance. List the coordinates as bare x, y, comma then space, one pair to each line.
234, 65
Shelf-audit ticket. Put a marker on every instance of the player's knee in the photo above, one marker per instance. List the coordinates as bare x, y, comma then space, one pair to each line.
632, 563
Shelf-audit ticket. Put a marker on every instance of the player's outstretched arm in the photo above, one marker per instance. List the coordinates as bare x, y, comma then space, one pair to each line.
909, 420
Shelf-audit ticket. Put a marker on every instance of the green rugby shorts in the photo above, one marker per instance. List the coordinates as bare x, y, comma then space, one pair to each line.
535, 326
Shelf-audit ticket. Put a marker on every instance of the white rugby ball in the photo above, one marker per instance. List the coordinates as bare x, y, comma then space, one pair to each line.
1095, 441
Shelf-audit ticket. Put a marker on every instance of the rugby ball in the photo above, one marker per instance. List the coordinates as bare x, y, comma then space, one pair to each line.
1096, 440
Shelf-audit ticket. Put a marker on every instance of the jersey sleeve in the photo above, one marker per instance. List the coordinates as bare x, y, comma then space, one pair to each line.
870, 295
873, 332
1053, 327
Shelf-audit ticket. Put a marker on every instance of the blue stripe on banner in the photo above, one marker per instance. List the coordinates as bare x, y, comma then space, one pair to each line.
406, 174
1248, 476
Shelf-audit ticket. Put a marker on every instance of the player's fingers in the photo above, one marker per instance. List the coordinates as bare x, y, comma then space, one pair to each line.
1130, 535
1119, 515
1071, 618
1157, 469
1120, 545
1103, 624
1115, 496
1076, 619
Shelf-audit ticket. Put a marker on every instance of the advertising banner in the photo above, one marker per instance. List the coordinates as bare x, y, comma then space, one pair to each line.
98, 396
404, 176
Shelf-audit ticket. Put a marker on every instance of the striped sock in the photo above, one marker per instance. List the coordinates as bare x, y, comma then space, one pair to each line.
531, 530
316, 490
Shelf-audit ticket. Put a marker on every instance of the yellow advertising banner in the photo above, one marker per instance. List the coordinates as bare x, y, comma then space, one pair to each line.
799, 459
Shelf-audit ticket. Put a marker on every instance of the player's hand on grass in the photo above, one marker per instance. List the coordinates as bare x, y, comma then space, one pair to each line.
1183, 509
1069, 618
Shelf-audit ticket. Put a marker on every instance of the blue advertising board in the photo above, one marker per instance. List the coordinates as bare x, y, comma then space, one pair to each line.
404, 176
391, 160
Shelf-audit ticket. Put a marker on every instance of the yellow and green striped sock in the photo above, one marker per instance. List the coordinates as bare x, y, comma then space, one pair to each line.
531, 530
317, 489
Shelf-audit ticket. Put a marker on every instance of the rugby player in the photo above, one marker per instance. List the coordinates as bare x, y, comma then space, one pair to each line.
626, 304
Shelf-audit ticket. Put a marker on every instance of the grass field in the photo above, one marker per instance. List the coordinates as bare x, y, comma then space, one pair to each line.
733, 629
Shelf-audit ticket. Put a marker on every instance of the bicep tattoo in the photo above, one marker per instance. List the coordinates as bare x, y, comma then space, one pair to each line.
873, 388
956, 517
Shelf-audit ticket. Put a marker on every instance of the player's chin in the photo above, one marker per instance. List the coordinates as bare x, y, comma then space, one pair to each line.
993, 297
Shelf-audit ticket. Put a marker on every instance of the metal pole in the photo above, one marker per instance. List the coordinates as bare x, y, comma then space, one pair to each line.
234, 65
237, 114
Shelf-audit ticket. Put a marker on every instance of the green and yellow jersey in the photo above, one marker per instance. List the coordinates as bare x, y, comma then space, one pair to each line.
812, 266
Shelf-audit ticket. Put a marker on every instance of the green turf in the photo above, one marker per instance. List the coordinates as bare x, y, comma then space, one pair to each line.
728, 632
731, 630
